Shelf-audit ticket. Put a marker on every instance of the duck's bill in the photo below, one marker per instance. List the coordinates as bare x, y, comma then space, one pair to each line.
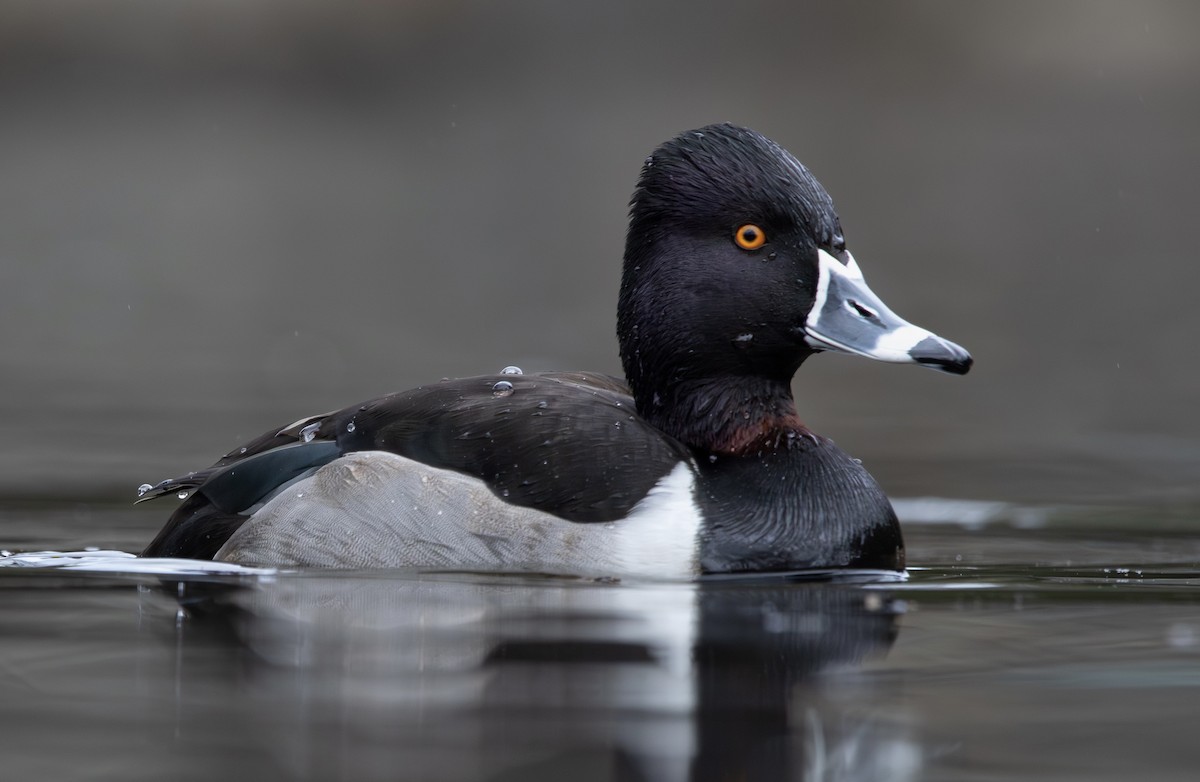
849, 318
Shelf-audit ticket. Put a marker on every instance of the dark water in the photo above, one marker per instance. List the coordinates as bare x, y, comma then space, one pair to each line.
1037, 645
220, 217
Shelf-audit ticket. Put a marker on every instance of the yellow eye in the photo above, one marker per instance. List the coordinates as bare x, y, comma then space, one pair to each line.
750, 237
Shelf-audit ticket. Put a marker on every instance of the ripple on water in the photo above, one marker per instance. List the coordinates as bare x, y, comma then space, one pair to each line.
102, 561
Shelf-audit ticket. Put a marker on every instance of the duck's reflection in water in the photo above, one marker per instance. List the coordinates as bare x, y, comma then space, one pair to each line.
431, 677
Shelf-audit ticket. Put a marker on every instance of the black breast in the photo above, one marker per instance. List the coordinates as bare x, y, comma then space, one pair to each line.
803, 504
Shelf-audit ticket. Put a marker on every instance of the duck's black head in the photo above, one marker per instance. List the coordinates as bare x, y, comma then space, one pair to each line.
736, 270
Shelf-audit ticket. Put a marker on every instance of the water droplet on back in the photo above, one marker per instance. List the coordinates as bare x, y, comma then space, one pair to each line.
502, 388
511, 370
350, 427
183, 495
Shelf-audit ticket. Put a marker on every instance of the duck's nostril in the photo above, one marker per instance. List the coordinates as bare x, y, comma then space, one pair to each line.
863, 312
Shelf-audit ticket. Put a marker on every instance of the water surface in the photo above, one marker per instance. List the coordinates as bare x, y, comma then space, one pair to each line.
1030, 643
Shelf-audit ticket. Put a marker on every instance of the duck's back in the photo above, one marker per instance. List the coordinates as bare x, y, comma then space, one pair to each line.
564, 449
570, 444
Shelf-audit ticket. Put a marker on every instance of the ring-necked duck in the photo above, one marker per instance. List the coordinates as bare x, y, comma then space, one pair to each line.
735, 272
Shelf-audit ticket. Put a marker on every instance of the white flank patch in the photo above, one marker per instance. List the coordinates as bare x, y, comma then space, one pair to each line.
661, 535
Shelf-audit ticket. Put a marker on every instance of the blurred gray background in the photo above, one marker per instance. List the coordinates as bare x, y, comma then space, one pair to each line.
218, 217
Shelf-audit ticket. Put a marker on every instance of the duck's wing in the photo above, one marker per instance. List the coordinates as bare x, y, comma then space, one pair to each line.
567, 444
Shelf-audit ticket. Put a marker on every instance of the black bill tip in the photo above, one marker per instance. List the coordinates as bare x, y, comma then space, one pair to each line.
940, 354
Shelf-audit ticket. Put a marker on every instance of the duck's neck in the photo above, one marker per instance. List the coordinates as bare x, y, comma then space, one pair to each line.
775, 496
724, 415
